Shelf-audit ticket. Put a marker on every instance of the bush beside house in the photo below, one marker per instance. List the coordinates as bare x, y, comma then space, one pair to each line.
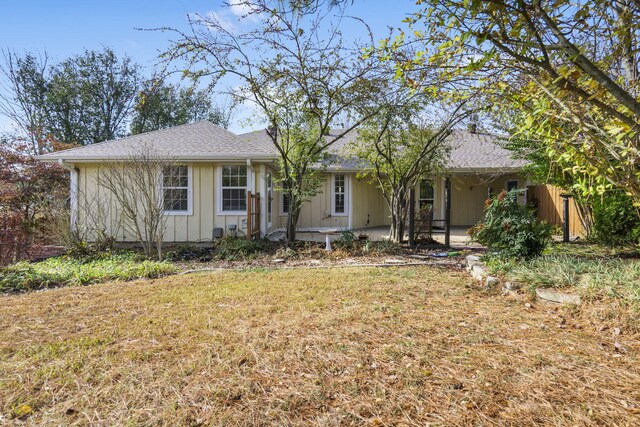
510, 229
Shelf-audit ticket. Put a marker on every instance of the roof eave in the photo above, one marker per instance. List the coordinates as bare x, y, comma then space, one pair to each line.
485, 169
204, 158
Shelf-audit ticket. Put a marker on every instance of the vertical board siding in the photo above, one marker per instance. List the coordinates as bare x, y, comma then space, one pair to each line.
368, 204
469, 192
549, 207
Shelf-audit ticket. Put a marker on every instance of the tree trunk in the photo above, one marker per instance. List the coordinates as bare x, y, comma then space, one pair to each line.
292, 222
396, 233
585, 215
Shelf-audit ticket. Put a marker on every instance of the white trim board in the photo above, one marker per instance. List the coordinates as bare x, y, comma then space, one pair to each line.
189, 210
218, 188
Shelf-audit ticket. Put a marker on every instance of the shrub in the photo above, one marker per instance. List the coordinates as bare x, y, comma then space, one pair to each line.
188, 252
510, 228
615, 219
347, 241
15, 238
68, 271
237, 248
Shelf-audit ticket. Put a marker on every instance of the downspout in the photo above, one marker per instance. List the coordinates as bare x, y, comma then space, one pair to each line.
73, 193
253, 176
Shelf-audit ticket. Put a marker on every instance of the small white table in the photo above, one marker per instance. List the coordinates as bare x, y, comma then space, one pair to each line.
328, 232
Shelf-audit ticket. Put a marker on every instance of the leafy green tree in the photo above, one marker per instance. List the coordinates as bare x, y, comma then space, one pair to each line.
569, 69
614, 219
91, 96
160, 105
23, 97
402, 144
295, 68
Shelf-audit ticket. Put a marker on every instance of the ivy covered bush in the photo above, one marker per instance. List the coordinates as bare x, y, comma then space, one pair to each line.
511, 229
615, 219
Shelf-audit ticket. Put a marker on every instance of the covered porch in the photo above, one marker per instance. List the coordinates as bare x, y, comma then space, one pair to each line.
459, 236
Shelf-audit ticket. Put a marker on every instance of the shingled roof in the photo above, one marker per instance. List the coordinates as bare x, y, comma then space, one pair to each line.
479, 151
470, 151
205, 141
200, 140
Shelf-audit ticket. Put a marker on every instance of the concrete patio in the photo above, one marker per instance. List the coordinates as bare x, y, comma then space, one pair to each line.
459, 236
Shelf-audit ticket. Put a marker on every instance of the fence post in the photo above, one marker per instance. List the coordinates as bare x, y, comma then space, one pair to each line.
565, 217
412, 216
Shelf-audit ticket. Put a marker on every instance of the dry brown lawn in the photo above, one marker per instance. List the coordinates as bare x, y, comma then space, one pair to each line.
343, 346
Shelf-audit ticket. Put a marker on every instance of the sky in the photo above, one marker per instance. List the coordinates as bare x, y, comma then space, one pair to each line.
63, 28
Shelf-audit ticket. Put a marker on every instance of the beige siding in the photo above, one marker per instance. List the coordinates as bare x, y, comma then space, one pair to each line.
469, 192
370, 209
96, 206
317, 212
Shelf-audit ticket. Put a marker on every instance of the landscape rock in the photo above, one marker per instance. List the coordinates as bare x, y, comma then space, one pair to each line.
511, 286
491, 281
472, 260
278, 260
478, 272
394, 261
553, 295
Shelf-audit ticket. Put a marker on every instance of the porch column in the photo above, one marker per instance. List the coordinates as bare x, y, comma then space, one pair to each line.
349, 188
262, 179
447, 211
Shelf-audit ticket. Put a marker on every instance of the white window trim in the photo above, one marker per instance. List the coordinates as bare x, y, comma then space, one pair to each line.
219, 188
347, 194
189, 210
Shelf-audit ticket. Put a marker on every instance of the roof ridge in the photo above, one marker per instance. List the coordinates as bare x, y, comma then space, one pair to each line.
253, 131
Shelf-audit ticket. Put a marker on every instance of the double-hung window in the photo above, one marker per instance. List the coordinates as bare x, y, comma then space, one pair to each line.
234, 188
339, 192
284, 207
176, 190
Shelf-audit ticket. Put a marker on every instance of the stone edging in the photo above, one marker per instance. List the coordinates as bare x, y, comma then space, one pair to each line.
479, 272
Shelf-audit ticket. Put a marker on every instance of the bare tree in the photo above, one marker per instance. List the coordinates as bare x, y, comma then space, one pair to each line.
136, 184
300, 74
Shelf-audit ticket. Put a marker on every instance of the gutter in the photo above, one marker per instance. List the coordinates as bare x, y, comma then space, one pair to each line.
50, 158
73, 193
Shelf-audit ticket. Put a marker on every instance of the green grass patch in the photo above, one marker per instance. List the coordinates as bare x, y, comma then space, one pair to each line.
69, 271
593, 271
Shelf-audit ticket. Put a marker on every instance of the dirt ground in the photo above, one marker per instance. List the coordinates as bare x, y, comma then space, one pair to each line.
396, 346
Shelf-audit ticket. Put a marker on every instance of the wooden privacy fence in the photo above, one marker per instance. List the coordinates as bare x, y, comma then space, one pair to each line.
253, 215
548, 203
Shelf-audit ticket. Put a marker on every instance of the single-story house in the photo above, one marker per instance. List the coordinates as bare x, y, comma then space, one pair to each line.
214, 169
